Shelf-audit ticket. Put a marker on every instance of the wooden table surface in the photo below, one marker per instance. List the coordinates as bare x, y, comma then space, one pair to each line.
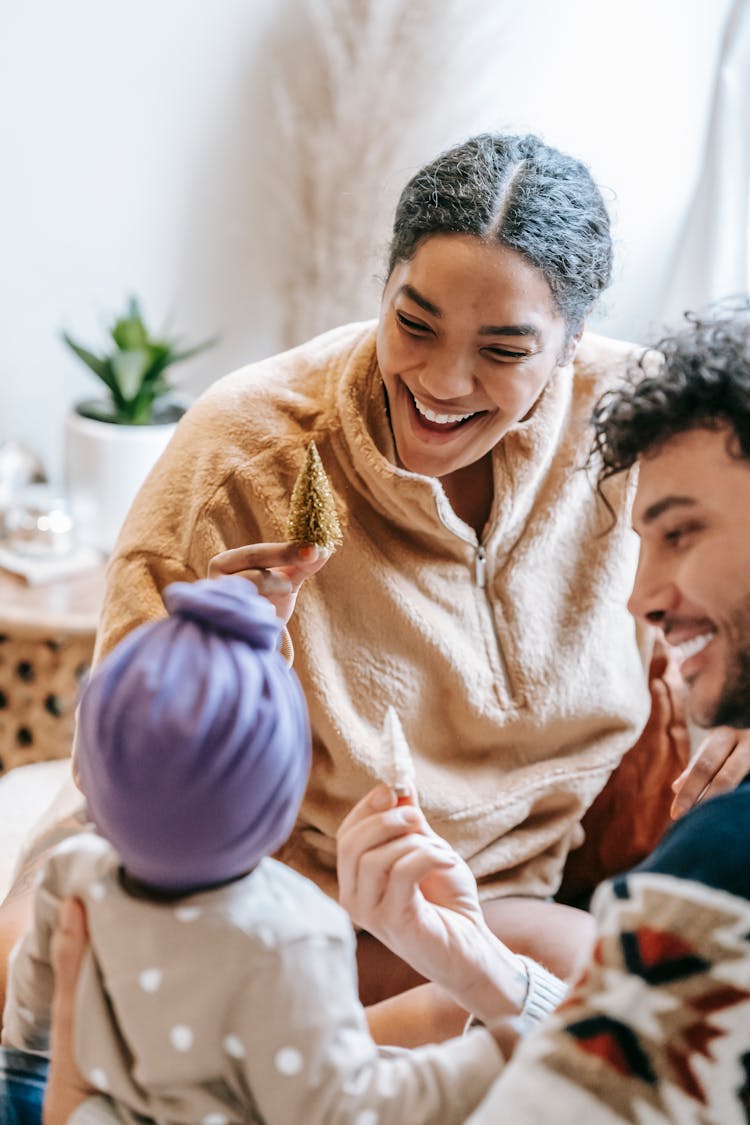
67, 605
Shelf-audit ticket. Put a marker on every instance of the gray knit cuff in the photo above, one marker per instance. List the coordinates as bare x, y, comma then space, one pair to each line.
544, 993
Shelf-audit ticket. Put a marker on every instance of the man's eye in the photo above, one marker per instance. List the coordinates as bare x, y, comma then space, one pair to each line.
677, 536
411, 325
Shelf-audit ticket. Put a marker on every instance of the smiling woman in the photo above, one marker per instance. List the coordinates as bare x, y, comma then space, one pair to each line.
473, 591
468, 338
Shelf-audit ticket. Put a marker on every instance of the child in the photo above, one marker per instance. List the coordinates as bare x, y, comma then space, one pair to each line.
221, 985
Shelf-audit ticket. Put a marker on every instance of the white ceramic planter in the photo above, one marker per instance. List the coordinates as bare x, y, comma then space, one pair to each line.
105, 465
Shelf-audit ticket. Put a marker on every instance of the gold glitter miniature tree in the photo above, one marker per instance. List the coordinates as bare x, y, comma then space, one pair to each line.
312, 511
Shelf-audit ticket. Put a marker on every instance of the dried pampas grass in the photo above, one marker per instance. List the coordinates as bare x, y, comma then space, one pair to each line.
381, 87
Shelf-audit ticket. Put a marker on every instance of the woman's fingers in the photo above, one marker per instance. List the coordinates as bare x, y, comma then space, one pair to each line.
377, 800
412, 866
276, 569
364, 859
389, 876
271, 584
360, 846
298, 561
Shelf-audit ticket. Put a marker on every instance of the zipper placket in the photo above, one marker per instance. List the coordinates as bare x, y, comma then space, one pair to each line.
480, 567
480, 581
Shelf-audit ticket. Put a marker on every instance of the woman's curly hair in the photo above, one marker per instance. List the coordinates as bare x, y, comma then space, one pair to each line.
696, 378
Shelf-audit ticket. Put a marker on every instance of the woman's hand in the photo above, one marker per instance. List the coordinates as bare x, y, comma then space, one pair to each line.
403, 883
720, 764
277, 569
66, 1086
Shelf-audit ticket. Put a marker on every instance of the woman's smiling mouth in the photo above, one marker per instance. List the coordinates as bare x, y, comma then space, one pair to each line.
440, 422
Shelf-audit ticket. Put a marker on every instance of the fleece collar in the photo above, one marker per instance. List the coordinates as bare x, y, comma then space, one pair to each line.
521, 459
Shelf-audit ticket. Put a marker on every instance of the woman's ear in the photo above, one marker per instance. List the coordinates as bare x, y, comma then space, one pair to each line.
569, 348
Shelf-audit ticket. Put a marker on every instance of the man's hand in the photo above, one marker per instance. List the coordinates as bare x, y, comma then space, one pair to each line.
720, 764
66, 1086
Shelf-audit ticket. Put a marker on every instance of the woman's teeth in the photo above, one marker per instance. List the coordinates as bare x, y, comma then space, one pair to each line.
441, 419
693, 646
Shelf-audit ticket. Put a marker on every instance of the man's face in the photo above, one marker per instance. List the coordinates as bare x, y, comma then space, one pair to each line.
692, 513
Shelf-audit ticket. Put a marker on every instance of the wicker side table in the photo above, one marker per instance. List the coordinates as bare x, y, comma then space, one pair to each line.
46, 641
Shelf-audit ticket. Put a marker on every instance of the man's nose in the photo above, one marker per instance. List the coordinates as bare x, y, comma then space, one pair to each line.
654, 591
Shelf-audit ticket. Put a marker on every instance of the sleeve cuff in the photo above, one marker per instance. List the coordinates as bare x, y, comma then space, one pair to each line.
544, 993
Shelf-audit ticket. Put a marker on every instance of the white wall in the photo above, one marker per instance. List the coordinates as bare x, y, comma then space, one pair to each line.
133, 137
129, 137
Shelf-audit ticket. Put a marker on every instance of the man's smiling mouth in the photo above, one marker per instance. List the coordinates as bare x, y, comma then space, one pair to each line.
694, 645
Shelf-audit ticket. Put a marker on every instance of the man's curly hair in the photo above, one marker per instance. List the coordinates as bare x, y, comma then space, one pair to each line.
696, 378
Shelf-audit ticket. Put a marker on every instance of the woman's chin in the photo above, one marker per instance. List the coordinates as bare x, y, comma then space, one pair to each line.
425, 459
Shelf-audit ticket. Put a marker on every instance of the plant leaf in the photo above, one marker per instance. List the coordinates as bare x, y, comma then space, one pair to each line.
98, 365
129, 369
130, 332
134, 370
99, 412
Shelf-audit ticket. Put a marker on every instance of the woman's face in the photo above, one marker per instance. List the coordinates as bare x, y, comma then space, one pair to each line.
469, 336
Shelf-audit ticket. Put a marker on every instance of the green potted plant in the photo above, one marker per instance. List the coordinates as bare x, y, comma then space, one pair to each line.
112, 442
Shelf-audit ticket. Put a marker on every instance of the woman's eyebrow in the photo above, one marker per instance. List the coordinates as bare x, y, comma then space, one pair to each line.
415, 296
510, 330
486, 330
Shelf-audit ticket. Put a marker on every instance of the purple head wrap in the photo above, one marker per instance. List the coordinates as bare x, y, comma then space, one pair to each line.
193, 739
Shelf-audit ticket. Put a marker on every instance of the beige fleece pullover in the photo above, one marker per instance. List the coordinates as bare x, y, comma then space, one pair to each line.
512, 663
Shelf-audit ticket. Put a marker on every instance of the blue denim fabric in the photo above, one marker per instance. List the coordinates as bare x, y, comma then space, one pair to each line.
22, 1080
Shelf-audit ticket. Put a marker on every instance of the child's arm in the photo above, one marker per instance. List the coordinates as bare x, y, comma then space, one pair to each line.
301, 1041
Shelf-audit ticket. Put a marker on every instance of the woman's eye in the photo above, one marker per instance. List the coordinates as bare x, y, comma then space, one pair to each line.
412, 325
504, 354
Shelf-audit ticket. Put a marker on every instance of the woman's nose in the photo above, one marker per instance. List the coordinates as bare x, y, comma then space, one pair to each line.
448, 376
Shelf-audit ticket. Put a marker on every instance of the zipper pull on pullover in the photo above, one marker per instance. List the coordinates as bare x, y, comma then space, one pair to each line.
480, 568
